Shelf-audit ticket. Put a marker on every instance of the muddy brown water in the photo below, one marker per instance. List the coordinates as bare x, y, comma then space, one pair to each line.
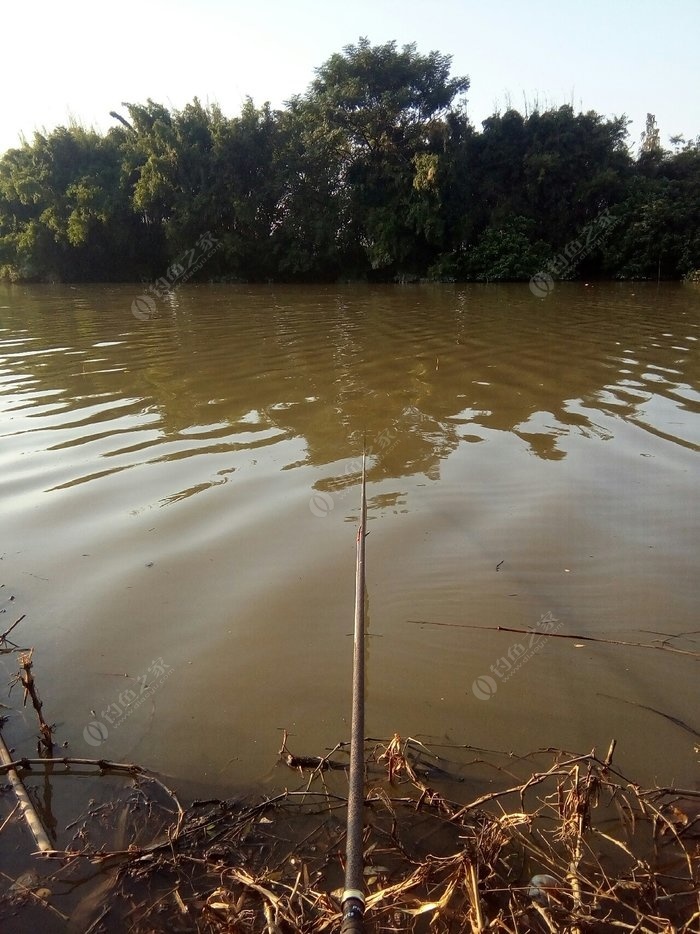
179, 497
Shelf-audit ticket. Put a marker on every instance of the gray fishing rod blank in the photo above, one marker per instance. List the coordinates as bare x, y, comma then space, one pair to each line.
353, 902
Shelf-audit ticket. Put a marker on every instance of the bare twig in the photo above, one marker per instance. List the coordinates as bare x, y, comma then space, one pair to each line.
27, 681
4, 635
559, 635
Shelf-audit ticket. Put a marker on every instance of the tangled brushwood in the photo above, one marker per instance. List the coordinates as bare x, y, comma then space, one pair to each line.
553, 843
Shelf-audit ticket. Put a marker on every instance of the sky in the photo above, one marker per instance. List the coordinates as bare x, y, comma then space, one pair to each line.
77, 60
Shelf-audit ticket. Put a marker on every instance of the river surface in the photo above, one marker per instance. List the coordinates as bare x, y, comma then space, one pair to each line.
179, 497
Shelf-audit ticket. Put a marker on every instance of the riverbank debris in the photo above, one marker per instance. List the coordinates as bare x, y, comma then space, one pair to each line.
456, 838
549, 842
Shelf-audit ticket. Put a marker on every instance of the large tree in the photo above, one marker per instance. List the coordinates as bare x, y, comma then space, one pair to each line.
63, 211
383, 109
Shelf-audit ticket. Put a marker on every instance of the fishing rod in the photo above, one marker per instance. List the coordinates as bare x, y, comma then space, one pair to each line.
353, 902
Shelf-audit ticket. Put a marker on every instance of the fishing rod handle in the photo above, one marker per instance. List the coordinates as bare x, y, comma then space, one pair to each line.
353, 917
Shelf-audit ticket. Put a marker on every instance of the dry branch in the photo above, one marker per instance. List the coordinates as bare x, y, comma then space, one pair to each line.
661, 647
28, 810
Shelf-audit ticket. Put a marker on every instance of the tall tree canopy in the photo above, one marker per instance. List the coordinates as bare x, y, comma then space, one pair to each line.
375, 172
381, 98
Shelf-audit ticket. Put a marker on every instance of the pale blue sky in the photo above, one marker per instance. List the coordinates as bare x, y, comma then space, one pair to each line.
83, 58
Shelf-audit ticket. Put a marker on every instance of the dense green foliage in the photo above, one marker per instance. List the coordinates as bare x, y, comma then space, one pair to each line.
375, 172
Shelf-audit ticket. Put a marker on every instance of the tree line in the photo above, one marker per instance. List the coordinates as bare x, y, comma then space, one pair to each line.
375, 173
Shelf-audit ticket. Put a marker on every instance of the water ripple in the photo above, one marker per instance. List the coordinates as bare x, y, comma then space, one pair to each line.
163, 480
